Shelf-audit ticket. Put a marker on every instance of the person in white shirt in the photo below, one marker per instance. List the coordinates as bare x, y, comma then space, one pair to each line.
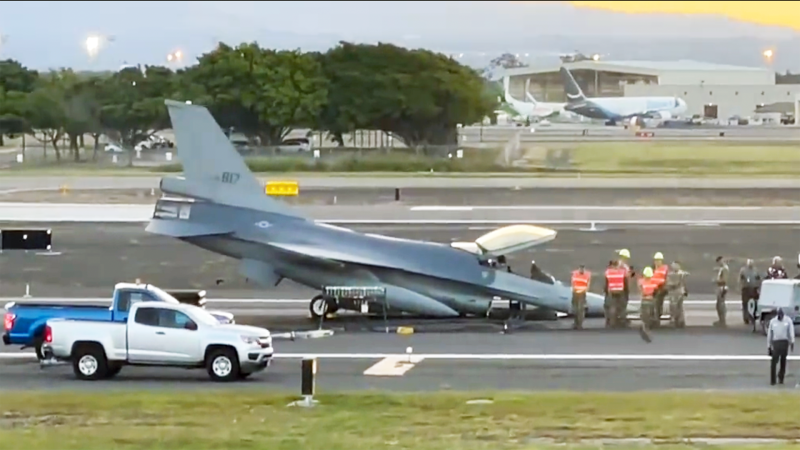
780, 338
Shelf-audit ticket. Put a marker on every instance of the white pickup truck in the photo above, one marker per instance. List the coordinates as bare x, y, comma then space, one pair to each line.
159, 334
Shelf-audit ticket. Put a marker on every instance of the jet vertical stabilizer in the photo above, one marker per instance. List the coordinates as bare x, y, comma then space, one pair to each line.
213, 170
571, 87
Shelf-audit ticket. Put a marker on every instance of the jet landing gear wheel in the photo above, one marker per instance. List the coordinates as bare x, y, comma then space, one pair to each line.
320, 307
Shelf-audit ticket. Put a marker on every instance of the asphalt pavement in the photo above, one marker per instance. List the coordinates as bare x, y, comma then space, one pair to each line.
392, 214
90, 258
569, 360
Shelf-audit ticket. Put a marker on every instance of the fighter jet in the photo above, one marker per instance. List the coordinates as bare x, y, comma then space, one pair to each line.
224, 209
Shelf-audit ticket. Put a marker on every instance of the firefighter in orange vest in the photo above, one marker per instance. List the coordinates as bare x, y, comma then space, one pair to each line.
581, 279
660, 271
647, 289
615, 294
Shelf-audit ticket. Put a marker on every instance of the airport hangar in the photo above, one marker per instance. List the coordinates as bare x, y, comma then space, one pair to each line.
712, 91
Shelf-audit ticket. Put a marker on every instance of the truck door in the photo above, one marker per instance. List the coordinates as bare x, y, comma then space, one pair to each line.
160, 336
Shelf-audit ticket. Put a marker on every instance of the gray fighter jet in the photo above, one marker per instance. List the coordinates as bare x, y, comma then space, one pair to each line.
224, 209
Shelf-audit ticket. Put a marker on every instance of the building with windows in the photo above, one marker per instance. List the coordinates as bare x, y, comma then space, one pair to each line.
713, 91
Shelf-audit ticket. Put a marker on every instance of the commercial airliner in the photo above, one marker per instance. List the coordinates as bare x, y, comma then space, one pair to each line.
531, 109
614, 109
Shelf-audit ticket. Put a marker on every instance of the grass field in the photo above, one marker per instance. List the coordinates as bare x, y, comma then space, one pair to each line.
442, 421
606, 159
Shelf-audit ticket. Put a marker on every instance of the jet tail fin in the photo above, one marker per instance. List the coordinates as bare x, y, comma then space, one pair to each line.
571, 87
213, 170
507, 90
528, 94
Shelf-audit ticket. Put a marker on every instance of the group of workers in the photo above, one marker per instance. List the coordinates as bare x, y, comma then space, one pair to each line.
655, 285
661, 283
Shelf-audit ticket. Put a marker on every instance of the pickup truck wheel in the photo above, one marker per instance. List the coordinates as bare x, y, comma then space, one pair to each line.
223, 365
89, 363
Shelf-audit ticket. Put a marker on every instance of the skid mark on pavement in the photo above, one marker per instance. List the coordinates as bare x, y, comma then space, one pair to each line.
393, 366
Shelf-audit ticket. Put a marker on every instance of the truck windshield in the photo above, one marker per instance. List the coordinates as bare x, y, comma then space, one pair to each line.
162, 295
203, 316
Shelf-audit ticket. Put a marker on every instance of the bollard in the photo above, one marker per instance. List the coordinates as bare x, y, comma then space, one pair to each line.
308, 371
409, 351
397, 194
27, 291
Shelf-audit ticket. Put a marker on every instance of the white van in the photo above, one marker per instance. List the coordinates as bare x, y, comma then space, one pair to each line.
777, 294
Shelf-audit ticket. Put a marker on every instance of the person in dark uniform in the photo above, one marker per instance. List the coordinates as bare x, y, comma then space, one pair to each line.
780, 339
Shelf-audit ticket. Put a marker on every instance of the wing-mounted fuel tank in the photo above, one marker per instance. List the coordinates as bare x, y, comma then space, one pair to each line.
506, 240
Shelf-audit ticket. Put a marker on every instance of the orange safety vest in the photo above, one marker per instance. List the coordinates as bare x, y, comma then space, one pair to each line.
660, 275
648, 287
580, 281
616, 279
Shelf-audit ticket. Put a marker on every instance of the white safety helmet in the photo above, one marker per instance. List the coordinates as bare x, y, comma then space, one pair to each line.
658, 256
625, 253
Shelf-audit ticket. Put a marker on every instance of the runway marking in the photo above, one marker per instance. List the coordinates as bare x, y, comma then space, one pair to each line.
587, 208
497, 357
393, 366
22, 300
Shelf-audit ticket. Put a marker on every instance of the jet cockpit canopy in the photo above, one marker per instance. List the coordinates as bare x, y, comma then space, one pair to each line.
506, 240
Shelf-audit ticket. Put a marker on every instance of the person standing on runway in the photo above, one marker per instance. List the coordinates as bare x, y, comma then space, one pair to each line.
780, 339
749, 282
721, 281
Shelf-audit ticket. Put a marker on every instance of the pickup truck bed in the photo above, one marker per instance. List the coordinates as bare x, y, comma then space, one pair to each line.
24, 322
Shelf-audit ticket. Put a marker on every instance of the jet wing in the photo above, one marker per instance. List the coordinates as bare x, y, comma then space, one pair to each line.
328, 254
184, 229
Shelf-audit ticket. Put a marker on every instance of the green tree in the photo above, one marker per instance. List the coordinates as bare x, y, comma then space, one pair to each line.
44, 111
259, 92
132, 104
15, 81
416, 95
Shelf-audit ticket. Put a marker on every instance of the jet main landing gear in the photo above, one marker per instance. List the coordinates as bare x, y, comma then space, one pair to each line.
321, 306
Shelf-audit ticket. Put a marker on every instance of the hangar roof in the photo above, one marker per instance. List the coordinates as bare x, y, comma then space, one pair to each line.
653, 68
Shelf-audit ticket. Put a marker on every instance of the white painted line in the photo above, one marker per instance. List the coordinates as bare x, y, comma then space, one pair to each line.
497, 357
532, 357
393, 367
267, 301
590, 208
22, 300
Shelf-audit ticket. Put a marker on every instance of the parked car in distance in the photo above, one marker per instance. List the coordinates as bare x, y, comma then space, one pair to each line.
159, 334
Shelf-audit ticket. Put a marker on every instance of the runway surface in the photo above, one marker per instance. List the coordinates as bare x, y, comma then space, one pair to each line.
95, 256
391, 214
590, 360
503, 180
458, 197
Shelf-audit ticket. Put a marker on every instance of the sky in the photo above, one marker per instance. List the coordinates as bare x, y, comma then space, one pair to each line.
50, 34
